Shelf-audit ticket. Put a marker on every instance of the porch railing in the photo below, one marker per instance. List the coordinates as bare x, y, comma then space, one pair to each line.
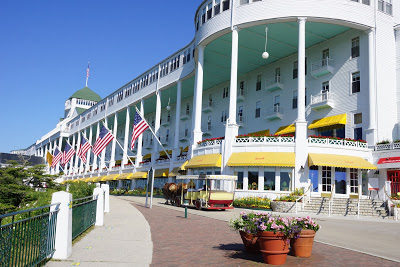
341, 142
265, 139
389, 146
83, 214
27, 237
303, 198
211, 142
321, 97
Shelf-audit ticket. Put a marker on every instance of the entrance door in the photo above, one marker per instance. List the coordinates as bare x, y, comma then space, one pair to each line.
326, 179
340, 180
394, 178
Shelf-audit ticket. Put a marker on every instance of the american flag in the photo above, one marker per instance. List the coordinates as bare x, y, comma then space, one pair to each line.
139, 126
105, 137
57, 156
69, 151
87, 71
84, 147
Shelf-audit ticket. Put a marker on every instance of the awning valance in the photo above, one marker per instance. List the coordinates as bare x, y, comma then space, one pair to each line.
286, 129
329, 121
147, 156
339, 161
203, 161
163, 154
161, 173
389, 160
139, 175
125, 176
281, 159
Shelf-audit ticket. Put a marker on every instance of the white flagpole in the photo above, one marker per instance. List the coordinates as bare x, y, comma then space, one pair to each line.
92, 149
166, 152
87, 74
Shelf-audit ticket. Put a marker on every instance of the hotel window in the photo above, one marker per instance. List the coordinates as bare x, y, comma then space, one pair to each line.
152, 123
325, 57
187, 109
217, 7
354, 181
325, 90
278, 75
277, 103
355, 47
313, 176
258, 84
258, 109
167, 136
269, 180
295, 70
225, 5
285, 180
197, 24
358, 118
241, 89
169, 116
243, 2
225, 93
326, 179
209, 11
209, 123
253, 180
385, 6
210, 101
186, 130
203, 16
358, 133
240, 114
239, 183
355, 82
224, 116
294, 99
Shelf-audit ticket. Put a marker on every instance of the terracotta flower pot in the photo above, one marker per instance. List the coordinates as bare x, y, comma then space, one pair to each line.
302, 246
274, 247
250, 242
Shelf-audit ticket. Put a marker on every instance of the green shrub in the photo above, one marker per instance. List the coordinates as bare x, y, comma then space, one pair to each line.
81, 189
252, 202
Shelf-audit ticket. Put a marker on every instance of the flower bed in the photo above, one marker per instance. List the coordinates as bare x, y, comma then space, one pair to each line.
252, 203
336, 138
263, 135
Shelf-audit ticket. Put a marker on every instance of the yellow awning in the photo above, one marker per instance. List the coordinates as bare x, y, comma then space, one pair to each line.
174, 172
183, 166
90, 179
186, 149
281, 159
286, 129
202, 161
329, 121
111, 177
139, 175
263, 132
339, 161
161, 173
98, 178
163, 154
125, 176
147, 156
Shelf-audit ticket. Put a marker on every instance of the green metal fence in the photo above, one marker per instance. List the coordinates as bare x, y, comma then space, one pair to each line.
27, 237
83, 214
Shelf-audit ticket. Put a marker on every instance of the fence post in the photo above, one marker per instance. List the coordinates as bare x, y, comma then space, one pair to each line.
106, 189
63, 242
100, 206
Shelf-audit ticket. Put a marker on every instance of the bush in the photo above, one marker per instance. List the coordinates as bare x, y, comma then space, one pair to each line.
252, 202
81, 189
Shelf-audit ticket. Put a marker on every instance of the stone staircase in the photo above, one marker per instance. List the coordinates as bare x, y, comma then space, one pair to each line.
346, 206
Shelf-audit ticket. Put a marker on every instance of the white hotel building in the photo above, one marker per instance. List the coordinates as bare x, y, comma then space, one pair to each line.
332, 71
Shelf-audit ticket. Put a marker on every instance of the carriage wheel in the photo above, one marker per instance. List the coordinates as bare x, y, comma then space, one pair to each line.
198, 204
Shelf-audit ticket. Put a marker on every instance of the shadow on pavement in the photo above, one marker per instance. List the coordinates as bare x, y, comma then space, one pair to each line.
237, 252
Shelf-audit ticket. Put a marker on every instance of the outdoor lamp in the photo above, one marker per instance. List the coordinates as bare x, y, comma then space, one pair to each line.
265, 54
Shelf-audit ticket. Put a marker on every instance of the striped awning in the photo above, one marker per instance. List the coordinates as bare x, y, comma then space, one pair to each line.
125, 176
111, 177
329, 121
147, 156
202, 161
280, 159
139, 175
340, 161
163, 154
286, 129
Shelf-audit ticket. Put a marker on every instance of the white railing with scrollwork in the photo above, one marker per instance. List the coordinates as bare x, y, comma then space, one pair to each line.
389, 146
211, 143
321, 97
265, 139
335, 142
322, 64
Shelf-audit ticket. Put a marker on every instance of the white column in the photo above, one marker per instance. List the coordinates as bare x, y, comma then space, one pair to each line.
89, 151
99, 192
103, 153
95, 158
139, 149
63, 242
59, 147
231, 128
114, 141
155, 153
51, 152
81, 165
371, 131
126, 140
301, 124
197, 99
176, 150
71, 162
76, 157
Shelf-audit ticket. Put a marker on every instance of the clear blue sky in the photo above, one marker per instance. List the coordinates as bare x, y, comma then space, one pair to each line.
45, 47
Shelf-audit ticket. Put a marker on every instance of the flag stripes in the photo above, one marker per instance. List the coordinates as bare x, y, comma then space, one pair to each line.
105, 137
139, 126
69, 151
84, 147
57, 156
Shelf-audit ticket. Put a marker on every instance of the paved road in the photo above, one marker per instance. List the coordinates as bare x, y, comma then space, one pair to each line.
204, 241
372, 236
124, 240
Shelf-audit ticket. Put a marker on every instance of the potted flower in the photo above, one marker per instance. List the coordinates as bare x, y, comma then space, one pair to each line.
303, 240
247, 229
273, 238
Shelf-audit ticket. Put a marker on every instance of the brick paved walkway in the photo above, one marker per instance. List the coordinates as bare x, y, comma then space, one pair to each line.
202, 241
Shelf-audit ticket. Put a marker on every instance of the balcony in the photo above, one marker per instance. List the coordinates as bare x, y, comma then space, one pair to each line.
334, 142
275, 84
241, 96
240, 120
275, 114
166, 123
208, 108
388, 146
185, 117
184, 138
208, 131
322, 67
322, 100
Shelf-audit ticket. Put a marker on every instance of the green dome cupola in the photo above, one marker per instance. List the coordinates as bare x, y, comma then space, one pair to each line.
86, 94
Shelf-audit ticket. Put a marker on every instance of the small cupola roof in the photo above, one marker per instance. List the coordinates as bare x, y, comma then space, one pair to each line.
87, 94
